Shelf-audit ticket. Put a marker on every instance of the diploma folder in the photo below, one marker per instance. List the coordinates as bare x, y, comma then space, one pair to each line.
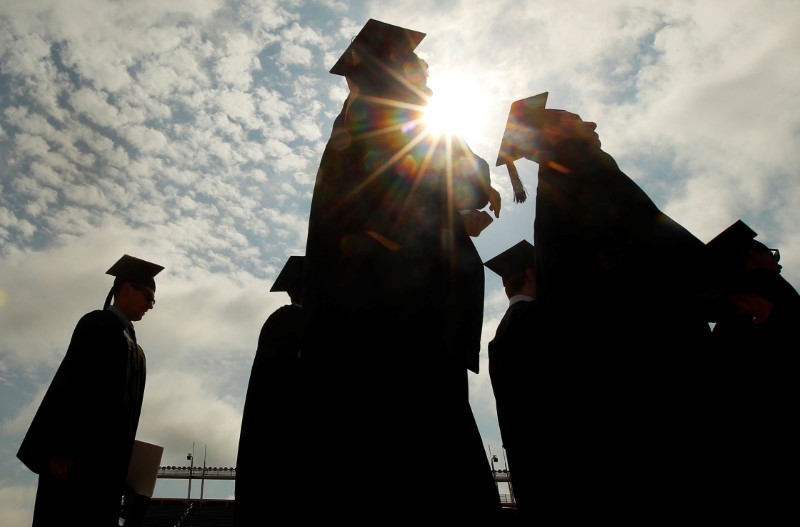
143, 468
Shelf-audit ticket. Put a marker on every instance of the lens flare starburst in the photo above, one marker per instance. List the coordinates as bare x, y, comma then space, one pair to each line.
457, 106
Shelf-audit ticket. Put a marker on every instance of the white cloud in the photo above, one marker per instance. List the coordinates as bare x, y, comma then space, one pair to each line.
145, 139
272, 105
17, 503
10, 223
295, 54
93, 104
238, 61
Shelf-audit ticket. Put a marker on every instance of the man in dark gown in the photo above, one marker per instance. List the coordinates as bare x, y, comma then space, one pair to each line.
759, 307
754, 386
512, 360
81, 438
266, 484
394, 300
618, 287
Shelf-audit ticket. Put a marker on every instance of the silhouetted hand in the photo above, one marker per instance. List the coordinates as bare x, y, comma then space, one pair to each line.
494, 202
475, 221
752, 305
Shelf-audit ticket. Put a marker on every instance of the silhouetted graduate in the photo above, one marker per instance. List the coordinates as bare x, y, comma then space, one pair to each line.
754, 381
267, 474
618, 287
515, 359
394, 298
606, 255
82, 435
760, 307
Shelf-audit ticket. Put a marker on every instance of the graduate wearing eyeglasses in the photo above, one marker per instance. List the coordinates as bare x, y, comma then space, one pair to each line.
81, 438
753, 383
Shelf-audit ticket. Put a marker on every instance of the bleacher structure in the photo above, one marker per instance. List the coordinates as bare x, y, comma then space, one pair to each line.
204, 512
178, 512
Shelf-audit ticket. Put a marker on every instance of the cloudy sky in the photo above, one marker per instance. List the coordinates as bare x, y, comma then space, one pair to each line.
188, 133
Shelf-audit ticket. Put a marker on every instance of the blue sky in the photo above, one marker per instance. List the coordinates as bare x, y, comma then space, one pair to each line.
188, 133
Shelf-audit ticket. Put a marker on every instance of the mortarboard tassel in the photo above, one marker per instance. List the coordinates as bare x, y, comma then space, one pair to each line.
519, 190
108, 298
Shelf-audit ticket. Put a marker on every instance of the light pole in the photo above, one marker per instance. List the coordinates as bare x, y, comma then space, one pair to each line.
190, 458
493, 458
510, 483
203, 474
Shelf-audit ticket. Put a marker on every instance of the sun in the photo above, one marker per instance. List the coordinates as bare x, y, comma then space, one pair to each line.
457, 106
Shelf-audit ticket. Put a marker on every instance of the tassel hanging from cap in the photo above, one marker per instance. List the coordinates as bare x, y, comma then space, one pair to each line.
108, 297
520, 195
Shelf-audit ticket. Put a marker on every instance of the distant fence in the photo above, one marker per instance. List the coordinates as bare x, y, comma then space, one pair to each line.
229, 473
222, 473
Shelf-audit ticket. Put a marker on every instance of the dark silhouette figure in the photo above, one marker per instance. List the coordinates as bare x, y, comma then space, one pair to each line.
600, 240
266, 465
394, 299
89, 415
752, 389
512, 359
759, 307
618, 289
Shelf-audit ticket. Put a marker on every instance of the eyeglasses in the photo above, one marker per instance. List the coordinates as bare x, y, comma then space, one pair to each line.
148, 295
776, 254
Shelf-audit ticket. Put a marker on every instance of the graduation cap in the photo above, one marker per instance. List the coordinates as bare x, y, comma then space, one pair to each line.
519, 138
738, 236
376, 42
290, 279
513, 261
729, 247
134, 270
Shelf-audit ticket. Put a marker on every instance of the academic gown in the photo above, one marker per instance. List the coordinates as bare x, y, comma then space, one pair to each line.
89, 414
755, 394
601, 242
394, 298
267, 460
738, 332
513, 358
618, 283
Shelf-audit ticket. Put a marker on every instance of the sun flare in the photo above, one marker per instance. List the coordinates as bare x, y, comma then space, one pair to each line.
457, 106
